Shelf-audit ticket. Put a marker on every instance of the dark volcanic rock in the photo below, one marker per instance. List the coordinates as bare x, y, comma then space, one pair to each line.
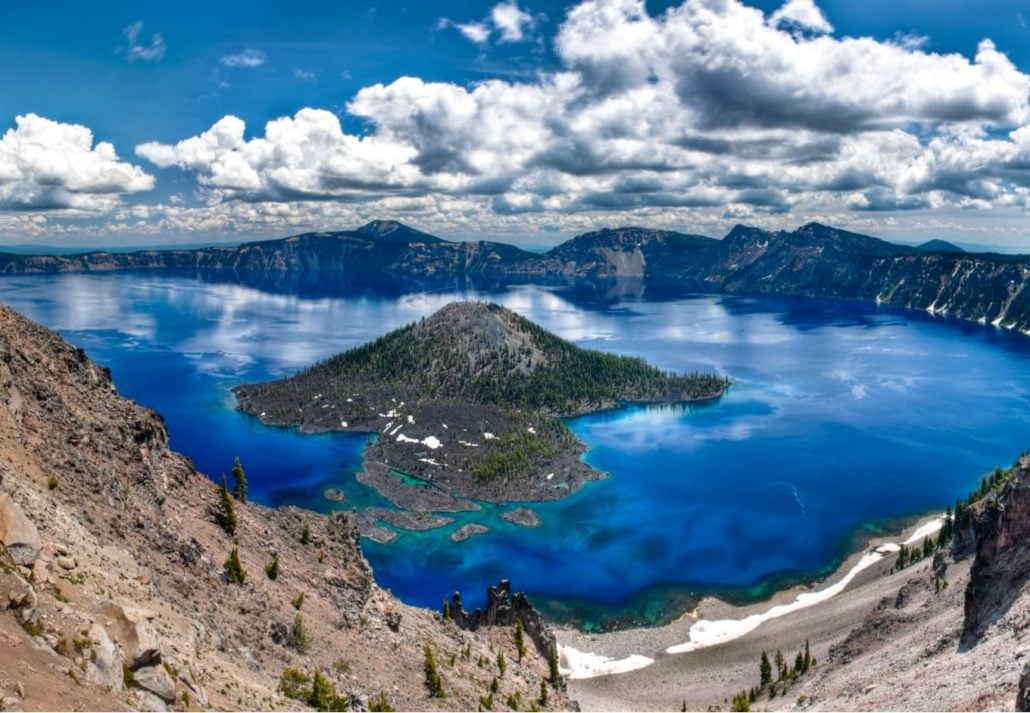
504, 609
1001, 569
1023, 697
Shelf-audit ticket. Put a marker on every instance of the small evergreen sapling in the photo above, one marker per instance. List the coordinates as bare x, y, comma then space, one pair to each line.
520, 638
272, 569
234, 570
226, 511
433, 683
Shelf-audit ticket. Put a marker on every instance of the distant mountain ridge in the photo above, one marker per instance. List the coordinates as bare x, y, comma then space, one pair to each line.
814, 260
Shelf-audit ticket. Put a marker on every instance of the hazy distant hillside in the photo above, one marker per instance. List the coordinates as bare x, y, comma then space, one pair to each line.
814, 260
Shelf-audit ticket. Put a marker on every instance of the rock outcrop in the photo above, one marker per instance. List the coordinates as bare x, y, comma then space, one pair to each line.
1001, 570
17, 533
505, 609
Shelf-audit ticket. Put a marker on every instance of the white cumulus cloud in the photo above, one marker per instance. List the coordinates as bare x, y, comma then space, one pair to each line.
708, 106
511, 21
47, 165
507, 19
803, 14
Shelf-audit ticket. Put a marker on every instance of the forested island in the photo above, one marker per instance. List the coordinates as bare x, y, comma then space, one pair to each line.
468, 405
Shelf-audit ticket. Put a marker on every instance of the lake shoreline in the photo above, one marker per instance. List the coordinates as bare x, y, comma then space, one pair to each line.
665, 641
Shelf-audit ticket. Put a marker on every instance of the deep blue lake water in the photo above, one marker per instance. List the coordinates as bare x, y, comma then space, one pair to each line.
841, 418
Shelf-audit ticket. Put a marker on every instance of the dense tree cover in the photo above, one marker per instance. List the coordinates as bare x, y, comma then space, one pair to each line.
534, 369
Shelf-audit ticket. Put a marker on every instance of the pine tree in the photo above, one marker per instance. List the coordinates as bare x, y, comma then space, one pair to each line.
305, 534
520, 638
299, 634
947, 529
781, 666
765, 670
433, 683
543, 692
808, 658
234, 571
799, 664
226, 511
239, 488
446, 611
323, 693
502, 665
272, 569
552, 661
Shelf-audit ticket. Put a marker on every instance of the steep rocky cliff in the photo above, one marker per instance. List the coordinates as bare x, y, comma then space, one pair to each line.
813, 261
114, 592
1000, 527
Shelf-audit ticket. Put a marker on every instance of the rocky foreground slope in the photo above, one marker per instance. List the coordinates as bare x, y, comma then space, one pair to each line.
114, 592
955, 635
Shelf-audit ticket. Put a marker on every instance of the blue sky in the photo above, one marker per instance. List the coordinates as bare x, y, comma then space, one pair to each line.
525, 121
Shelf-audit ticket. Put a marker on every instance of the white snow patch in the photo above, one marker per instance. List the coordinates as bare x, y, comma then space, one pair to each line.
926, 530
469, 444
431, 442
350, 401
444, 425
430, 461
411, 419
531, 430
343, 424
578, 664
388, 426
396, 430
550, 475
489, 436
710, 633
401, 438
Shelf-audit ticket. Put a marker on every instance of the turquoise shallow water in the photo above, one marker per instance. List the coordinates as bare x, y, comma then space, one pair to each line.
840, 417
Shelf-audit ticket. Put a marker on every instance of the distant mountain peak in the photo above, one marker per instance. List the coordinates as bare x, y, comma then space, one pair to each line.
939, 246
394, 231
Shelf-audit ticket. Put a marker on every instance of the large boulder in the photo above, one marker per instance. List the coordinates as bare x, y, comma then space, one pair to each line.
133, 629
156, 680
17, 533
105, 665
